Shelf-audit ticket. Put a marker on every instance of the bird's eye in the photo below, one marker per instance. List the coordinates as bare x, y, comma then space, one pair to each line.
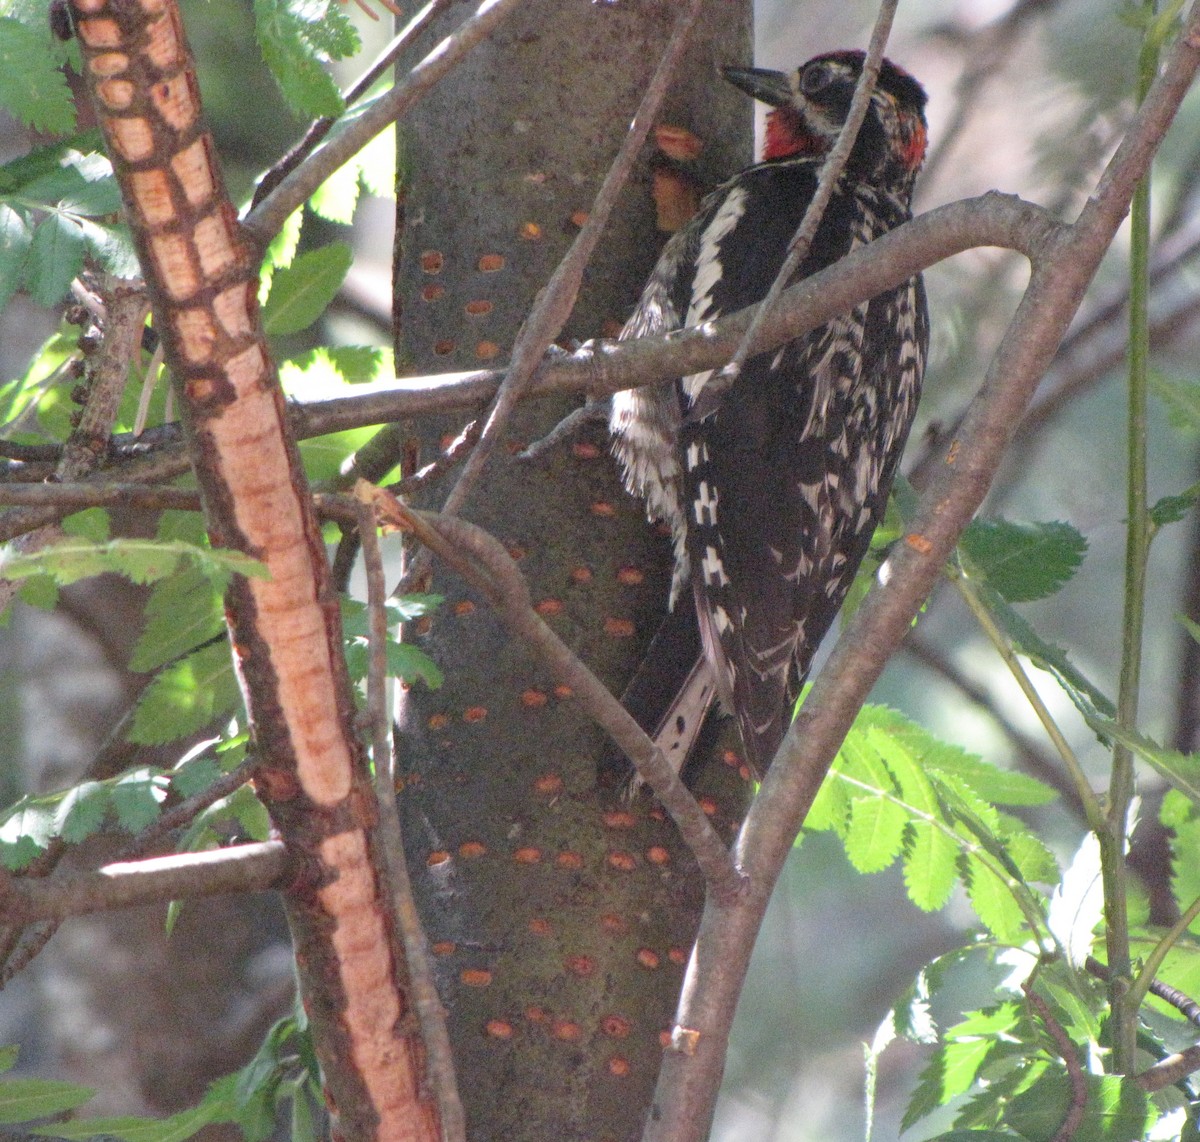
815, 79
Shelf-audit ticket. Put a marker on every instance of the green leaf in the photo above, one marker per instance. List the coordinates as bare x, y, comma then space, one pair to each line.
183, 612
186, 697
32, 86
949, 1073
137, 798
297, 37
250, 813
15, 239
1182, 770
1023, 561
875, 833
194, 775
1171, 509
93, 525
25, 1099
27, 829
1116, 1110
336, 198
55, 258
993, 902
300, 292
142, 560
82, 811
1088, 699
176, 1128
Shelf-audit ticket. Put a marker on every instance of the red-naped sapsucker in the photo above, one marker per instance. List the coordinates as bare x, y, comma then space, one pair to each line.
772, 483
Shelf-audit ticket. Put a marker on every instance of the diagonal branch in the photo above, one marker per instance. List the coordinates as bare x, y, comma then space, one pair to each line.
483, 562
1061, 272
264, 221
831, 171
155, 880
554, 305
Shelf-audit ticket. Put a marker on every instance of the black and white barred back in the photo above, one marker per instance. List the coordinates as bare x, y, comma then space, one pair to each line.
773, 484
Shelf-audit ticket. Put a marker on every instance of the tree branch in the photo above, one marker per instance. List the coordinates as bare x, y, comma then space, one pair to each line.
1062, 268
126, 884
483, 562
264, 221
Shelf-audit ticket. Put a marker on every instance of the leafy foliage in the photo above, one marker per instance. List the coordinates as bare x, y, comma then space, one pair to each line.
896, 792
129, 802
297, 38
301, 291
33, 88
58, 205
1023, 561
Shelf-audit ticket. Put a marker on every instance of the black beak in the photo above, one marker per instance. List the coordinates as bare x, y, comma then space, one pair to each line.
770, 87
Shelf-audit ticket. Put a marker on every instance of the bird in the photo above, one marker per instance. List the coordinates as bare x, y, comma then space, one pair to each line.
771, 481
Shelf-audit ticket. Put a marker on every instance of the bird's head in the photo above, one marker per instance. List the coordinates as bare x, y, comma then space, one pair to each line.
810, 104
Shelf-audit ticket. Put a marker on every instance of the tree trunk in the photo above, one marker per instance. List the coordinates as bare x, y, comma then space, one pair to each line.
560, 913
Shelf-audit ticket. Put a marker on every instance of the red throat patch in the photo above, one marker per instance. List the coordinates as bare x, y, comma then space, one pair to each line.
786, 136
914, 148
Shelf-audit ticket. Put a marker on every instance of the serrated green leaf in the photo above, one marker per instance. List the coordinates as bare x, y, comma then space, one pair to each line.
1182, 770
194, 776
1023, 561
111, 244
137, 798
142, 560
1116, 1110
82, 811
250, 813
993, 902
55, 258
25, 832
1172, 509
24, 1099
875, 833
297, 37
39, 591
300, 292
94, 525
32, 86
1088, 699
949, 1073
930, 868
186, 697
183, 612
128, 1128
15, 238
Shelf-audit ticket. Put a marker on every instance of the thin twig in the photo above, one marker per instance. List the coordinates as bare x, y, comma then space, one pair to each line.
91, 495
482, 560
321, 127
264, 221
190, 808
432, 1015
1066, 1049
604, 367
125, 884
553, 307
831, 171
589, 413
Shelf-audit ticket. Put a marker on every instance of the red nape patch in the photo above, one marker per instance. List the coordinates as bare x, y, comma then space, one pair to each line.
914, 149
786, 136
